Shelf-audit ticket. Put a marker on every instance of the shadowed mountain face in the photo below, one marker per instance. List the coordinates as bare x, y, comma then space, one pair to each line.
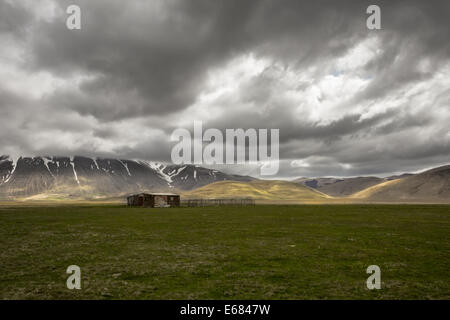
429, 186
192, 177
342, 187
88, 177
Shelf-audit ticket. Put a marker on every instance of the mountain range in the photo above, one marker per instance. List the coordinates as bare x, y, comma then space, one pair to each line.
431, 186
428, 186
74, 177
54, 178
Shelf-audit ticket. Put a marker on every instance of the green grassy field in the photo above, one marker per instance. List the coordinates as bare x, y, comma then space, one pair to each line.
260, 252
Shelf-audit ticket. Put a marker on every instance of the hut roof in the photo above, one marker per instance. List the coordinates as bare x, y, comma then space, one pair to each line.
155, 194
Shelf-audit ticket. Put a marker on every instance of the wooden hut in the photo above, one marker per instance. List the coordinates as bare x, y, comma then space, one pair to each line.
154, 200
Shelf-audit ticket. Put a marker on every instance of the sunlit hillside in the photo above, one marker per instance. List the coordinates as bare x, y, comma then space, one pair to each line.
259, 190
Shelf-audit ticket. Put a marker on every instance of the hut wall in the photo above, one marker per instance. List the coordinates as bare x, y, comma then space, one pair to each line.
153, 200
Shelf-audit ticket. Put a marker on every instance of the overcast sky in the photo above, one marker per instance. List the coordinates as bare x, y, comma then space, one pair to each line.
347, 100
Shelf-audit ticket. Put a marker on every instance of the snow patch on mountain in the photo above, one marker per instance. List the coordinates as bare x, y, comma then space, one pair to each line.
179, 171
159, 168
96, 164
14, 164
126, 167
48, 160
72, 163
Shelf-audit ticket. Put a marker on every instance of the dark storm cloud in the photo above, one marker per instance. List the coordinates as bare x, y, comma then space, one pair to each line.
292, 129
159, 64
136, 67
412, 32
161, 60
13, 18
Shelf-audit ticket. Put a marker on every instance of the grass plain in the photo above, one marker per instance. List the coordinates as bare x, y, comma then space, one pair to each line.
255, 252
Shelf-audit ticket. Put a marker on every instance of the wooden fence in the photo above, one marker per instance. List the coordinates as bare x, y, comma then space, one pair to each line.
217, 202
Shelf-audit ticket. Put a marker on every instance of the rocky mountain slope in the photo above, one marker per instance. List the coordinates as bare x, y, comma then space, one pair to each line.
429, 186
95, 177
269, 190
342, 187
